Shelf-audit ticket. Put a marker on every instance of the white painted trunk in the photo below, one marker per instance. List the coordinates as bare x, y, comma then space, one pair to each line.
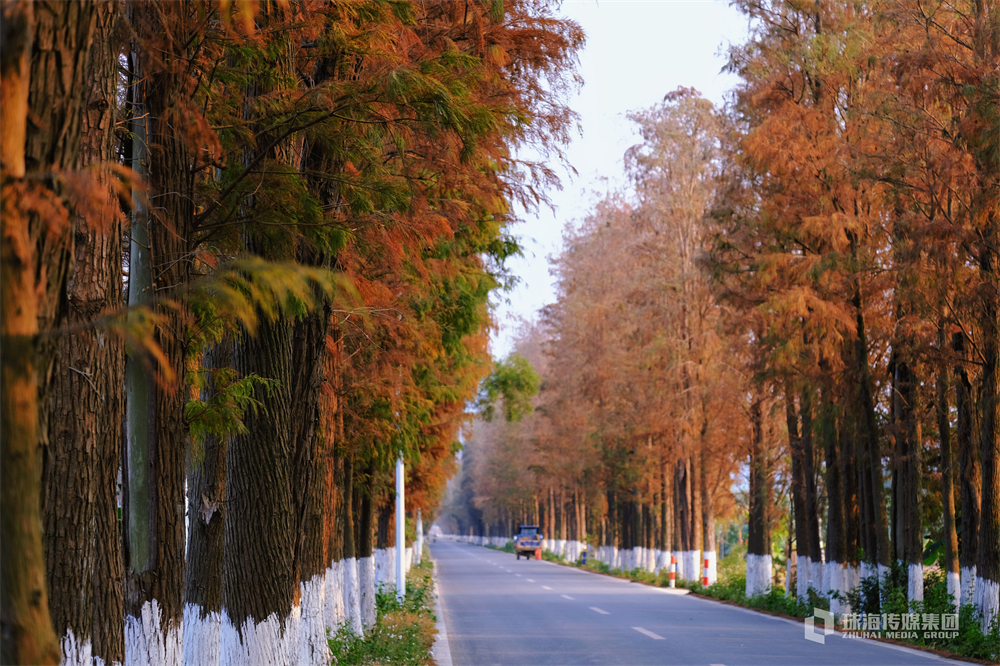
380, 573
867, 570
968, 575
954, 587
852, 581
690, 565
390, 569
266, 643
313, 648
202, 637
987, 599
915, 586
816, 576
803, 567
336, 601
758, 574
75, 653
366, 575
833, 572
713, 567
408, 559
148, 643
352, 595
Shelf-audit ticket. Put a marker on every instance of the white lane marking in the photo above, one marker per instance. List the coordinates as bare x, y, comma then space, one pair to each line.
655, 637
546, 587
518, 575
598, 610
566, 596
529, 580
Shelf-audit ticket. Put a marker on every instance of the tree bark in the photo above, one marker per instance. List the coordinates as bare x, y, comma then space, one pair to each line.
257, 581
43, 65
83, 539
206, 488
970, 474
759, 538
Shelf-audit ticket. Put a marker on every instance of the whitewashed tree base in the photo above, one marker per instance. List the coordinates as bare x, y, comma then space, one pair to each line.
954, 582
803, 568
852, 581
202, 636
352, 596
968, 576
833, 574
335, 610
146, 644
691, 569
758, 574
366, 576
268, 643
915, 583
987, 599
314, 650
74, 652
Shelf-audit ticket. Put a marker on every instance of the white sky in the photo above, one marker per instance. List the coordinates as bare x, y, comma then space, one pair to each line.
636, 52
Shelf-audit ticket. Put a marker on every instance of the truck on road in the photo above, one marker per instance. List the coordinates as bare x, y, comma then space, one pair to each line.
527, 541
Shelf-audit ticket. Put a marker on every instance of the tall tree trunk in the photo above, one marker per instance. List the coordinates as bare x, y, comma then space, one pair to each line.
836, 542
206, 490
803, 561
759, 539
258, 583
707, 514
970, 473
310, 443
870, 462
83, 542
910, 538
812, 501
156, 430
947, 475
987, 593
26, 634
365, 545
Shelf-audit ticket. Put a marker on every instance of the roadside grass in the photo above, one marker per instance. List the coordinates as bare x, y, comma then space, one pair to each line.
404, 631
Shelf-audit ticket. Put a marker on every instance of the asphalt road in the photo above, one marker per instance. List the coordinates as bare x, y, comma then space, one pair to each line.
499, 611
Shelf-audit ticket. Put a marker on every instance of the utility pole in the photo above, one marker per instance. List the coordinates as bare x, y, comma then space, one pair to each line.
400, 530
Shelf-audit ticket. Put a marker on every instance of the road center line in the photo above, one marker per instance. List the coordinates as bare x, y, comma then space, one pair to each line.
529, 580
655, 637
546, 587
598, 610
518, 575
566, 596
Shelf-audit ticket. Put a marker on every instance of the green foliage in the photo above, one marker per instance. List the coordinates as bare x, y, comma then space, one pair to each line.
244, 290
404, 631
971, 641
222, 414
516, 382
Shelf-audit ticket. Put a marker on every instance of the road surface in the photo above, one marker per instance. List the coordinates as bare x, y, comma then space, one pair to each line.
502, 611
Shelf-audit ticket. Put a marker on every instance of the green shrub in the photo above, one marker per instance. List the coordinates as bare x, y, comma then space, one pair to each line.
404, 630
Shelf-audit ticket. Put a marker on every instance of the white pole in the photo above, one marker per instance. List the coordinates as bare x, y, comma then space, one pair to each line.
418, 550
400, 531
